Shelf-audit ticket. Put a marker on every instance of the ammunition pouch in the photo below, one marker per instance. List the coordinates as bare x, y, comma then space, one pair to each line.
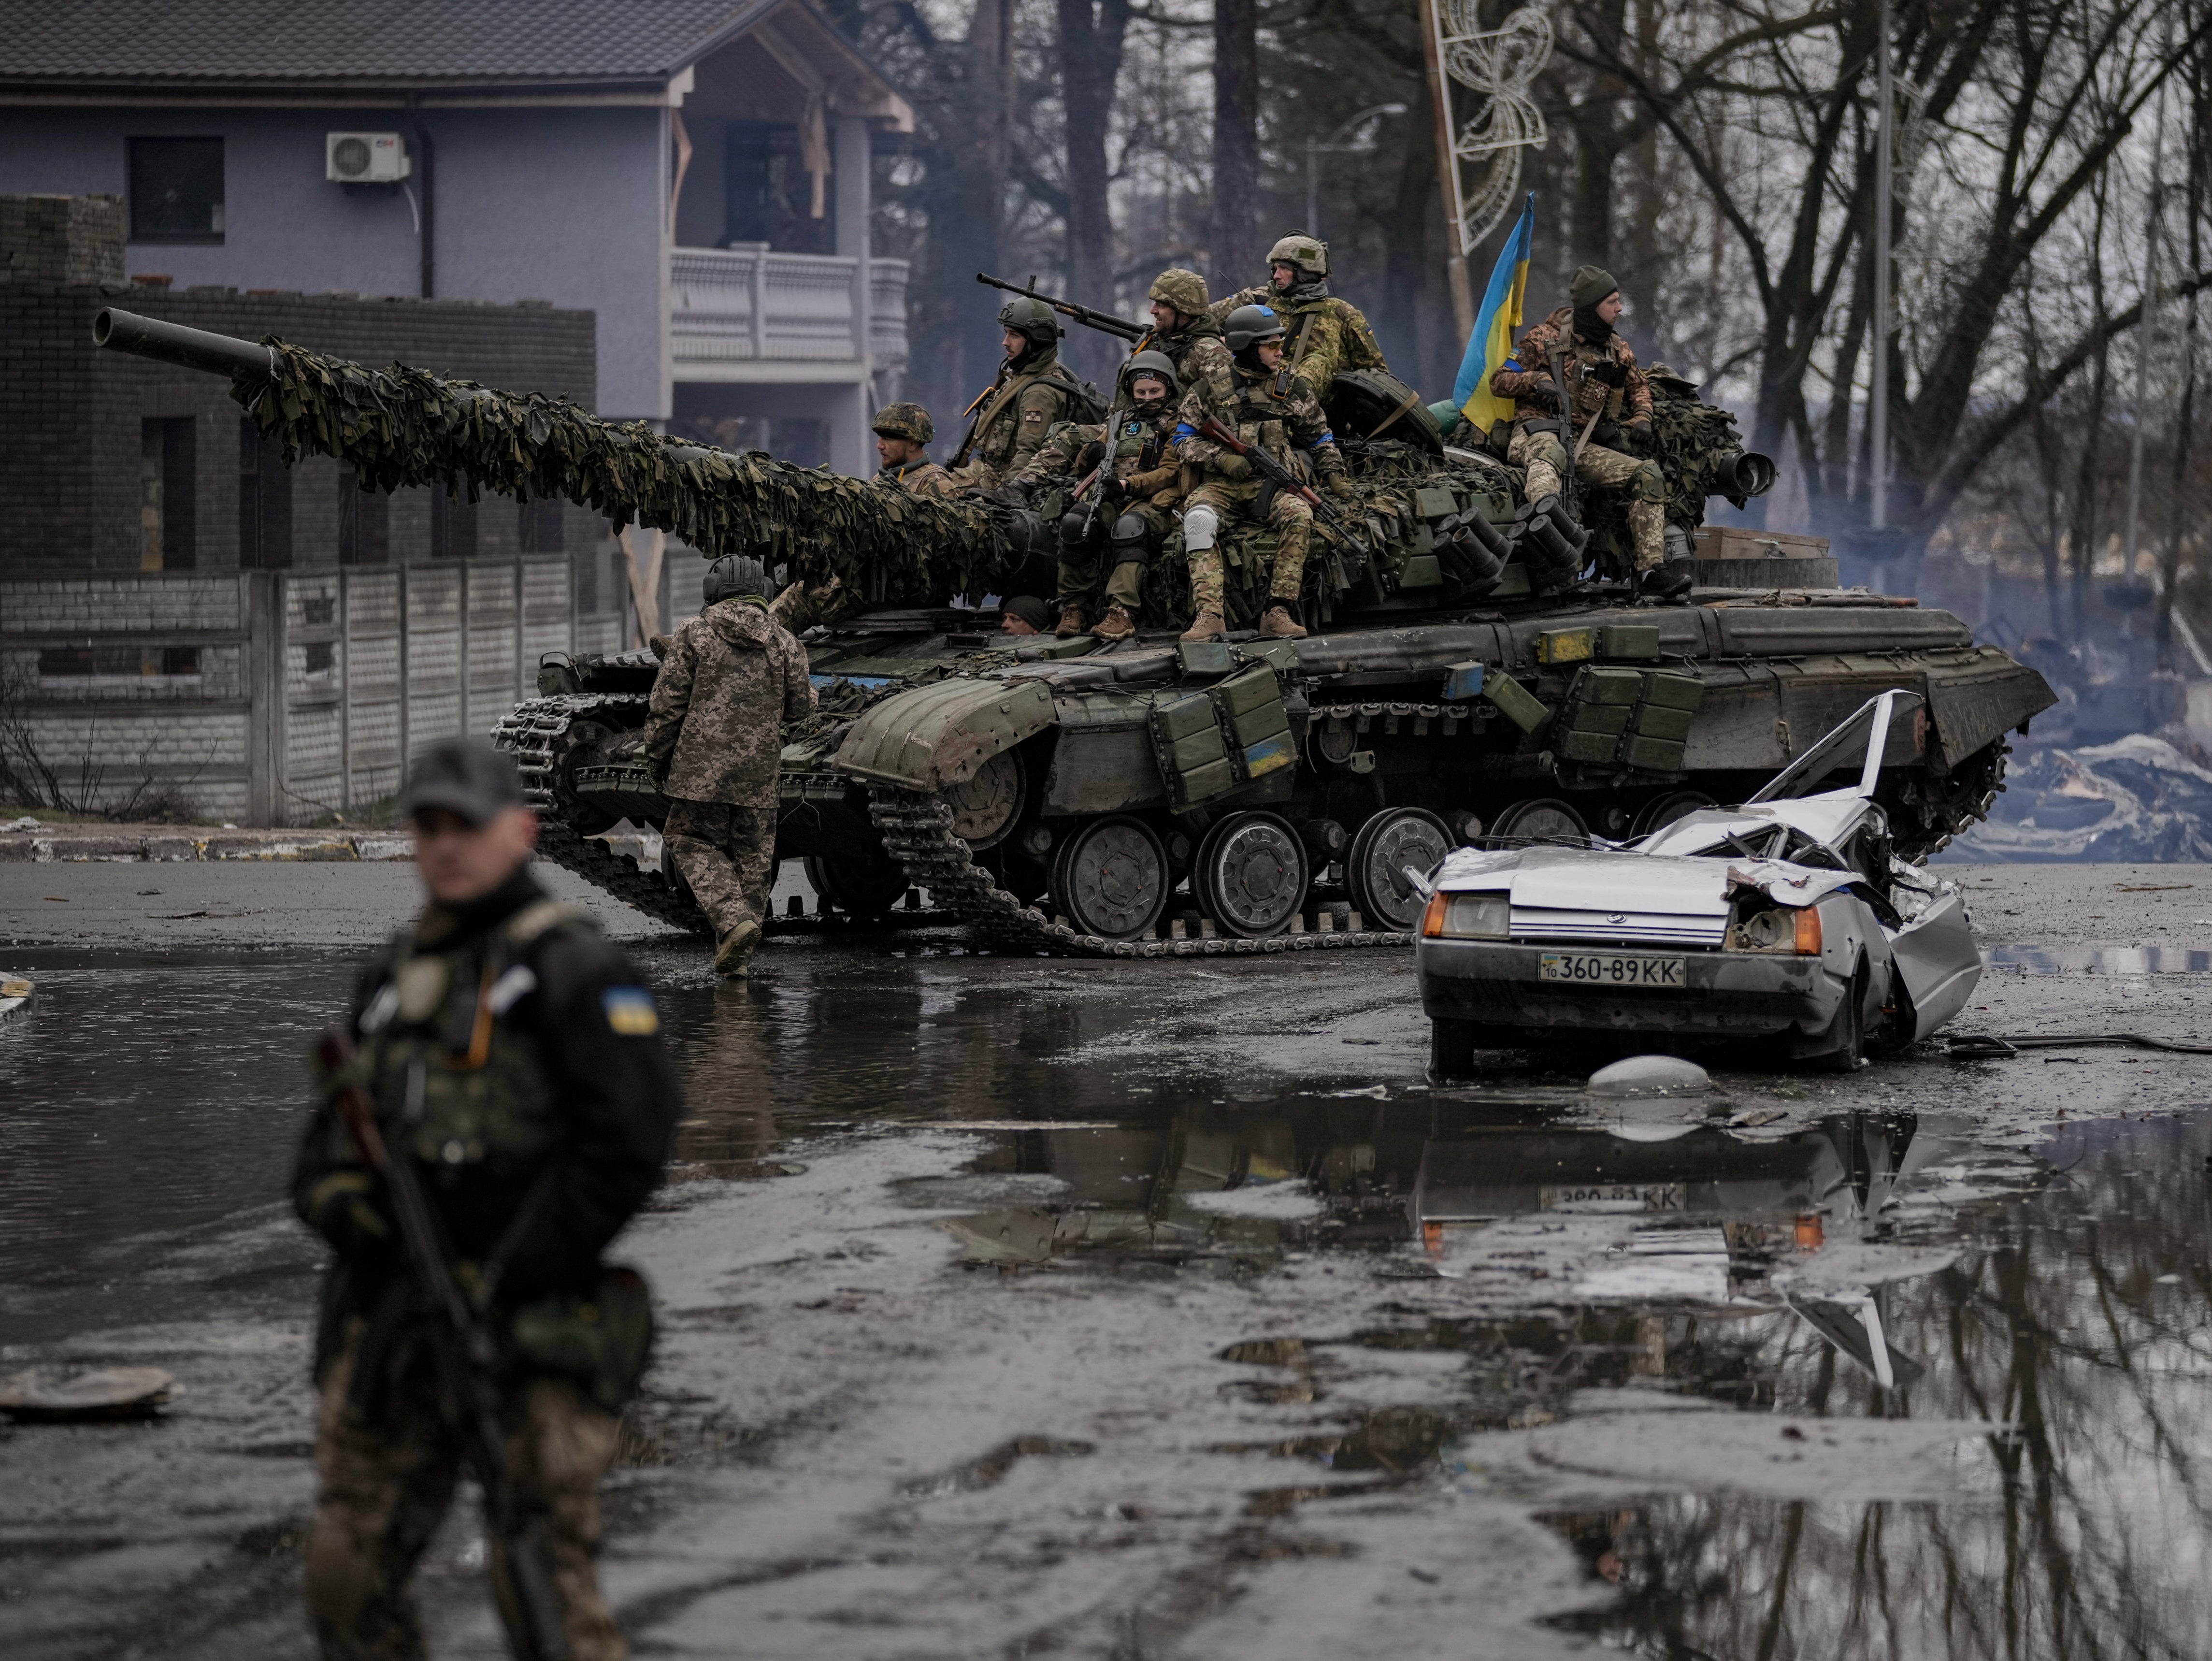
601, 1341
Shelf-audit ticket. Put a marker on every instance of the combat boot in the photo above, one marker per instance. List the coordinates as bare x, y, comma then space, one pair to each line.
735, 950
1280, 624
1116, 624
1659, 582
1207, 626
1071, 621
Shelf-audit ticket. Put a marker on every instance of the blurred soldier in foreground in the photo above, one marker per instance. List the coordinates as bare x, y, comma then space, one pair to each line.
1608, 403
903, 435
1135, 482
1326, 335
514, 1061
1033, 393
1280, 414
712, 744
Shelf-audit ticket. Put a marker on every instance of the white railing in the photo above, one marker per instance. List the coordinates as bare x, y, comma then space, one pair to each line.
751, 305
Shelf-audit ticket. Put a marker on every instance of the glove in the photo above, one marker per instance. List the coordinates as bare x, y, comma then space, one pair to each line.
1113, 491
1232, 466
344, 1209
656, 772
661, 645
1640, 435
1340, 485
1612, 372
1089, 456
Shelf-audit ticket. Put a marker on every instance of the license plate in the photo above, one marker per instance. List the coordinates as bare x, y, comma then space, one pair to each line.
1610, 969
1625, 1197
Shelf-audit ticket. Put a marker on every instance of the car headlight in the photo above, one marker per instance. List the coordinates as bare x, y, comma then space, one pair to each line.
1467, 916
1779, 928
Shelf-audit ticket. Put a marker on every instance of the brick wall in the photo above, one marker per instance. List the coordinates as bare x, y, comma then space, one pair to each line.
71, 415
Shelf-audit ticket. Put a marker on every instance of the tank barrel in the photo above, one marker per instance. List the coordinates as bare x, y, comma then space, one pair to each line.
1746, 473
173, 343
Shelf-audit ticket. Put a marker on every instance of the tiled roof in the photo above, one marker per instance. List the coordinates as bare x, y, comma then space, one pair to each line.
233, 41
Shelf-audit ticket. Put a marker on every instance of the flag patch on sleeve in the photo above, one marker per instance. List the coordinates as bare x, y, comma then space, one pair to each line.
630, 1011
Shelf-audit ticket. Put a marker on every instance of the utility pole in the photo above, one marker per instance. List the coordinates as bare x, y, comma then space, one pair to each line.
1463, 290
1878, 396
2147, 329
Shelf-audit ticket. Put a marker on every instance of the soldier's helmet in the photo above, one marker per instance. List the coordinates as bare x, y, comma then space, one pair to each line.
1159, 366
731, 575
1031, 318
1306, 255
1248, 325
1671, 381
1183, 289
908, 421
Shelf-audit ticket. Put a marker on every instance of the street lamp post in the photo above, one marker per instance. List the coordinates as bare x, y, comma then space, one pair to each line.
1314, 149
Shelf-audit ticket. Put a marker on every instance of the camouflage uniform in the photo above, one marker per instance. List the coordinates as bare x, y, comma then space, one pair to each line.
1326, 335
920, 478
1144, 458
537, 1125
1025, 404
1196, 347
732, 678
1289, 426
1526, 377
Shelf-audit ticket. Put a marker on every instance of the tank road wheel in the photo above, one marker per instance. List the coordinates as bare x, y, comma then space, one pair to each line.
1662, 811
985, 807
1539, 818
1393, 839
1110, 879
860, 889
1251, 874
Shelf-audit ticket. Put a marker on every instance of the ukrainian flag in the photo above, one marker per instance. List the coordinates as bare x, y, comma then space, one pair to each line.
1491, 343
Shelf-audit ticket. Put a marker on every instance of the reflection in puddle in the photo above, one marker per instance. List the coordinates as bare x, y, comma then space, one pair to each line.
2173, 957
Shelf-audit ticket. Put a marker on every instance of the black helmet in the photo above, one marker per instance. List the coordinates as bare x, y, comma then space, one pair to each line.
731, 575
1159, 366
1031, 318
1248, 325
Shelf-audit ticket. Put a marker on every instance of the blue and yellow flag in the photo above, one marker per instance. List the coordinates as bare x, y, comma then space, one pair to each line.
1499, 321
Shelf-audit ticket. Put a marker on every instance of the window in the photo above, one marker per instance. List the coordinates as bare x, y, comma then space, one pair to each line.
265, 502
452, 526
364, 522
111, 663
541, 526
166, 500
176, 190
770, 194
322, 655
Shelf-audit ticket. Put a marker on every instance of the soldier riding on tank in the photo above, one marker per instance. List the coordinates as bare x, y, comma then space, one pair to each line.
1326, 335
1184, 327
1033, 393
1135, 484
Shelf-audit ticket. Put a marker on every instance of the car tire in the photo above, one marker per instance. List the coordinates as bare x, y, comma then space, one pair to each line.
1452, 1045
1846, 1034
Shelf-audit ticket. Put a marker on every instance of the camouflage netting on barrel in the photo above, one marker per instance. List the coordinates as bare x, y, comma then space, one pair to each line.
400, 427
1402, 494
1692, 442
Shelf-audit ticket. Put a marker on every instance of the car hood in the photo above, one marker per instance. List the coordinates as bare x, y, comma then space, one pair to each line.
1617, 879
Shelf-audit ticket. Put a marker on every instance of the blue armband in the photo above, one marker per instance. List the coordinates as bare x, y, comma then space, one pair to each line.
1514, 364
1184, 431
1326, 437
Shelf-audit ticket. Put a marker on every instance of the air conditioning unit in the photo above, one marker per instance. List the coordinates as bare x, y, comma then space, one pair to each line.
364, 158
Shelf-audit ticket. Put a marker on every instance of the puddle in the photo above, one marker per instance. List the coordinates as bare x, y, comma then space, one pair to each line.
2170, 958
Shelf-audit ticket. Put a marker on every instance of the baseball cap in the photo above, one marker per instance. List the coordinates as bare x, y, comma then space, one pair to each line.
470, 776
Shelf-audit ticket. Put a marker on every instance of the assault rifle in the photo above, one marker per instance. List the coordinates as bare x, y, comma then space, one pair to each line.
463, 1350
1268, 467
1105, 322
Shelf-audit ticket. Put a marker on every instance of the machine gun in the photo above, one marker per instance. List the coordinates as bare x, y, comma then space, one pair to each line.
1271, 469
1104, 322
463, 1350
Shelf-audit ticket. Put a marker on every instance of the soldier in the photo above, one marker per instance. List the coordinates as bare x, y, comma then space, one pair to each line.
1329, 335
1183, 327
1131, 508
1280, 414
1609, 402
1033, 393
713, 741
514, 1055
1023, 614
903, 435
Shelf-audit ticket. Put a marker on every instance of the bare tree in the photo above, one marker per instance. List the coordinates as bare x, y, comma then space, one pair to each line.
1235, 140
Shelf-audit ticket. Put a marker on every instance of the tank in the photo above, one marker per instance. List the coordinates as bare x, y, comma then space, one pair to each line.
1475, 670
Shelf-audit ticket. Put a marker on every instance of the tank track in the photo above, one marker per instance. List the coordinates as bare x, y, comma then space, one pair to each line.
916, 828
1950, 806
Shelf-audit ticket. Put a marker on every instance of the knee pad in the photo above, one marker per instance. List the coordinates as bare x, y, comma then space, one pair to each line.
1200, 527
1130, 538
1071, 527
1650, 484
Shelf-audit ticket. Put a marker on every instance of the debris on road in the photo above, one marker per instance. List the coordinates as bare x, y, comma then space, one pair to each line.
50, 1394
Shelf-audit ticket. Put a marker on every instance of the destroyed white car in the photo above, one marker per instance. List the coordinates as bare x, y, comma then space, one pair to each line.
1785, 920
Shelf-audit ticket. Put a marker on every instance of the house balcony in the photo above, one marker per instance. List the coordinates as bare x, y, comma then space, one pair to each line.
751, 315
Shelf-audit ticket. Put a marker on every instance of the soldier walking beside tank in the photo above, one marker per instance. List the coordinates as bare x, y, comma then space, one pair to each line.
1280, 414
1034, 392
509, 1058
714, 740
1608, 401
1130, 508
1326, 335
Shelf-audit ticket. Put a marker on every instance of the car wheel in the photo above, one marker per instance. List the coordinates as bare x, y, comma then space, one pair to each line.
1452, 1045
1846, 1035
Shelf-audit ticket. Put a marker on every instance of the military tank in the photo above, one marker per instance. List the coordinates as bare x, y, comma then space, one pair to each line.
1477, 669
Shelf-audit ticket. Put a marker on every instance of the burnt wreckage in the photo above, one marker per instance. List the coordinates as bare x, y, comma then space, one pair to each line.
1061, 795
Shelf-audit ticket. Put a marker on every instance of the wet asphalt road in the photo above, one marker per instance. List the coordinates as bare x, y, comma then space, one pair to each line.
1021, 1306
